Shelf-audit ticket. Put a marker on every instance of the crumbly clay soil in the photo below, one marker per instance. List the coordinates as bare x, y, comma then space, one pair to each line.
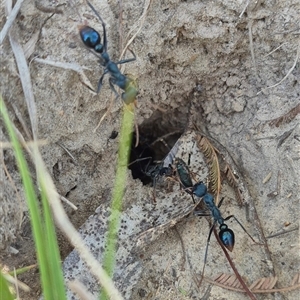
230, 67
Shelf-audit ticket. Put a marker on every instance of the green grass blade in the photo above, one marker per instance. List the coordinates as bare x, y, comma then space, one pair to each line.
118, 192
21, 270
55, 267
4, 289
45, 244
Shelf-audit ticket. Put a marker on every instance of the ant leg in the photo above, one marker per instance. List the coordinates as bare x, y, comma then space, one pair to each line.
193, 198
202, 213
148, 164
232, 216
100, 81
221, 201
123, 61
140, 159
111, 84
206, 251
103, 25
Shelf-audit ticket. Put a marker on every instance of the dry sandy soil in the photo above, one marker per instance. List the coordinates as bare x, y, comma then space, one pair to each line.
230, 67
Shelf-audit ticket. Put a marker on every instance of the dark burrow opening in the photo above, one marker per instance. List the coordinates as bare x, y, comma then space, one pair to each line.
157, 136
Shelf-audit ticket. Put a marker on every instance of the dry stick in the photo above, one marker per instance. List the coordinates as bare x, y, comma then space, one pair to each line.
255, 291
249, 293
137, 141
288, 73
276, 49
182, 246
105, 114
282, 232
281, 139
250, 23
29, 47
288, 31
258, 226
16, 285
8, 145
163, 137
207, 293
78, 288
13, 280
157, 107
241, 14
47, 9
63, 199
26, 83
142, 20
287, 117
25, 77
68, 152
68, 66
10, 19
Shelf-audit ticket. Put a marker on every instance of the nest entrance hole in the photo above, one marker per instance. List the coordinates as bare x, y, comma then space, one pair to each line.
157, 136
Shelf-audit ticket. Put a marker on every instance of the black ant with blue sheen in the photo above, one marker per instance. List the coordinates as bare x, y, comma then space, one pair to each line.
92, 39
184, 177
163, 169
181, 173
226, 234
199, 190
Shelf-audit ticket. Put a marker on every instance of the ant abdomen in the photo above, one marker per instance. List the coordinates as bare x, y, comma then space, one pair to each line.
227, 237
91, 38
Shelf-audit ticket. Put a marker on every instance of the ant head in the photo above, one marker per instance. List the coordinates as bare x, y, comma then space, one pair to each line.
153, 170
227, 237
166, 171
